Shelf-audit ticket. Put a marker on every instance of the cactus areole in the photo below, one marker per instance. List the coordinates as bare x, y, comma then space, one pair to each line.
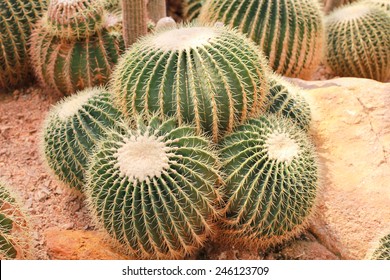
211, 76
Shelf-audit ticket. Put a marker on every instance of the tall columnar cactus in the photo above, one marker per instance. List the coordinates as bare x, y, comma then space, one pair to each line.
153, 189
289, 32
79, 50
358, 42
270, 181
211, 76
381, 251
16, 22
285, 99
71, 131
14, 229
192, 9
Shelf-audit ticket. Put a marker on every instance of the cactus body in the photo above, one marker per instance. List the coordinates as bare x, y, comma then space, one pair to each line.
211, 76
71, 131
14, 232
384, 4
192, 9
271, 181
153, 189
75, 18
289, 32
65, 63
16, 22
382, 249
358, 42
285, 99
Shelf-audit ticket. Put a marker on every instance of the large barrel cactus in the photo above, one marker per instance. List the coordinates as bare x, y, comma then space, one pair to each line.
153, 190
289, 32
358, 42
211, 76
14, 230
381, 251
75, 45
270, 181
71, 131
17, 18
192, 9
285, 99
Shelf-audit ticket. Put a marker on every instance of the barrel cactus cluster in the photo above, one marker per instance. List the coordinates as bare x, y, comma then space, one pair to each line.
75, 45
15, 238
17, 18
289, 32
358, 41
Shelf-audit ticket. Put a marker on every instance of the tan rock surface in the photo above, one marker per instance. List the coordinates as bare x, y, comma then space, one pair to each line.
351, 129
79, 245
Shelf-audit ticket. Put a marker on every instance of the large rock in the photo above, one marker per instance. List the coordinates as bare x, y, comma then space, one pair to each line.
351, 129
79, 245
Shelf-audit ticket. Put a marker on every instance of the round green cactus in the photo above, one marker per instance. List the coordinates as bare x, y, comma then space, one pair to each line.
192, 9
289, 32
270, 183
382, 249
69, 19
14, 230
211, 76
154, 189
285, 99
66, 65
16, 22
358, 42
71, 131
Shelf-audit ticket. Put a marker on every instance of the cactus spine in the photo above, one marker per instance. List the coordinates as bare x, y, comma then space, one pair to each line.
192, 9
14, 230
211, 76
358, 42
71, 131
270, 183
285, 99
67, 58
381, 250
153, 189
16, 22
384, 4
289, 32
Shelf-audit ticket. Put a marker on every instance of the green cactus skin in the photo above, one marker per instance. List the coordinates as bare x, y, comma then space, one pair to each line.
289, 32
112, 5
66, 66
211, 76
153, 190
285, 99
14, 231
74, 19
192, 9
16, 22
382, 249
358, 42
71, 131
270, 183
384, 4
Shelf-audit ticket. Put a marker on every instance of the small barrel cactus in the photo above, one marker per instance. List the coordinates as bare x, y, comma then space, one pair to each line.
75, 18
153, 190
71, 131
17, 18
14, 230
69, 55
285, 99
270, 181
358, 42
211, 76
381, 251
289, 32
192, 9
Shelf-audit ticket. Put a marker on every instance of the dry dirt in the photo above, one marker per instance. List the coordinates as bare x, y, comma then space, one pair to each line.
51, 205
